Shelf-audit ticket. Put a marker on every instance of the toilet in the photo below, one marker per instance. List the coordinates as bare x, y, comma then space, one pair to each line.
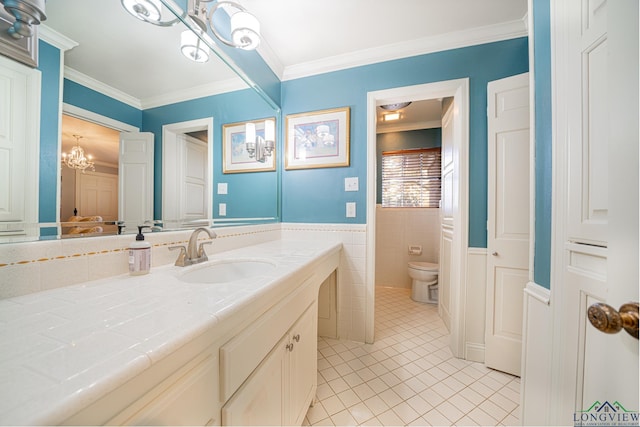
424, 276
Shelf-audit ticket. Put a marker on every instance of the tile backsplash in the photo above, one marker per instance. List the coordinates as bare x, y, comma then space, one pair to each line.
38, 266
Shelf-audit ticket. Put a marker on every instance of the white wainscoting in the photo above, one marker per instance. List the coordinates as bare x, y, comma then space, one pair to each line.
396, 230
475, 297
536, 356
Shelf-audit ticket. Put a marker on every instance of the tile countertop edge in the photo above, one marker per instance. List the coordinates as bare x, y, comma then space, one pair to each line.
224, 319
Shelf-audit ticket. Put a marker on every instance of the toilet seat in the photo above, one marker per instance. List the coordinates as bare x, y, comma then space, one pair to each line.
424, 266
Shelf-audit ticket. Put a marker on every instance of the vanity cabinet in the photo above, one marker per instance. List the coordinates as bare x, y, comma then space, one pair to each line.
281, 388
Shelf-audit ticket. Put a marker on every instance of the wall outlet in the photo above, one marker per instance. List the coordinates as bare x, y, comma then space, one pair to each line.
351, 209
351, 184
222, 209
222, 188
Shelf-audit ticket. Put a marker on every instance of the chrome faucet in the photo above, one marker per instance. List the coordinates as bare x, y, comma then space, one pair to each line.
194, 253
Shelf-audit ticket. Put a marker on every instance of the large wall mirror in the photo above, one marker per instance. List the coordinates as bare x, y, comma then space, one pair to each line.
128, 80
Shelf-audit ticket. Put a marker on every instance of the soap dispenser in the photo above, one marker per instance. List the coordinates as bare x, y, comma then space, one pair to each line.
140, 254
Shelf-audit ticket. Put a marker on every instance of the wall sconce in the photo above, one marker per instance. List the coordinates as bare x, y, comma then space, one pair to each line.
391, 116
192, 47
27, 14
150, 11
260, 148
244, 27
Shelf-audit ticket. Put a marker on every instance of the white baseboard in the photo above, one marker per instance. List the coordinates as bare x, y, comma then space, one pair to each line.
474, 352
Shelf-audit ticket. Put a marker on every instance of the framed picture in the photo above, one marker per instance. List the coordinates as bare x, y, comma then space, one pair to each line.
318, 139
237, 157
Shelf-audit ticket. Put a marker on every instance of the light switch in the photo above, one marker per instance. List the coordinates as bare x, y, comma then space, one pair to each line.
222, 188
351, 209
222, 209
351, 184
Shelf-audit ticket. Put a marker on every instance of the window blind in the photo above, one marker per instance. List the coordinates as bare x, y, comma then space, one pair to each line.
411, 178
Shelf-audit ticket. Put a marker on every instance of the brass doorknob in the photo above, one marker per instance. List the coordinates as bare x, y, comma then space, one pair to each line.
606, 319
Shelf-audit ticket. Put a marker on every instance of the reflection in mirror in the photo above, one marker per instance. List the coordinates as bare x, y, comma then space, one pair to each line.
133, 74
89, 196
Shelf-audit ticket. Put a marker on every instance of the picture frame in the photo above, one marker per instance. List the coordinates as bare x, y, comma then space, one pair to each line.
318, 139
236, 158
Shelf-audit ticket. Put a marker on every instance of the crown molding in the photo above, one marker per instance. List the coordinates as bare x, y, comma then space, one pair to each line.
454, 40
202, 91
55, 38
98, 86
210, 89
271, 59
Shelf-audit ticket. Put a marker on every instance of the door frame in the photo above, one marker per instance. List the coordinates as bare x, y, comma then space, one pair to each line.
89, 116
459, 89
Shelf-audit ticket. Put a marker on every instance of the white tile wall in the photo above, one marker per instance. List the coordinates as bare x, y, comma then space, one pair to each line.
351, 274
396, 230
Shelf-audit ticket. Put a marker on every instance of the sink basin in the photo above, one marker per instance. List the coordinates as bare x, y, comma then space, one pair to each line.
224, 271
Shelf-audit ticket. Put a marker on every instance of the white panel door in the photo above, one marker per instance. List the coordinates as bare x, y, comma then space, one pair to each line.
135, 204
195, 189
97, 194
508, 220
19, 144
596, 111
448, 205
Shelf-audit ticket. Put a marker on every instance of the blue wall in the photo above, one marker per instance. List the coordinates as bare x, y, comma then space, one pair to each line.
423, 138
249, 195
49, 65
317, 195
543, 149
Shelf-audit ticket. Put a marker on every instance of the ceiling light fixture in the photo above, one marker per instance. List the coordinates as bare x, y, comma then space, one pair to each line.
395, 107
27, 13
76, 158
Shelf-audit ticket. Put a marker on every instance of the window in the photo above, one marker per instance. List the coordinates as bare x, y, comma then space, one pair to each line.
411, 178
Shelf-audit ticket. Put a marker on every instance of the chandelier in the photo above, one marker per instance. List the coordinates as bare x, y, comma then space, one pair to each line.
76, 158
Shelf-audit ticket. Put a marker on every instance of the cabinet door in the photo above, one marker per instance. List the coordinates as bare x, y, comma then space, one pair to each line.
303, 365
259, 401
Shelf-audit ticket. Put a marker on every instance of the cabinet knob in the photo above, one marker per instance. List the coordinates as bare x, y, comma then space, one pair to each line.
290, 346
296, 337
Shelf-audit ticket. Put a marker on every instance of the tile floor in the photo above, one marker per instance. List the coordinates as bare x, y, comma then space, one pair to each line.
408, 376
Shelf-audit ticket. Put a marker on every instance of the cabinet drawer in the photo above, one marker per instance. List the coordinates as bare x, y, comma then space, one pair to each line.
190, 400
242, 354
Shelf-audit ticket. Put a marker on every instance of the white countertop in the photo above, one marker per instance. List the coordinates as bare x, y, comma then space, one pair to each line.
65, 348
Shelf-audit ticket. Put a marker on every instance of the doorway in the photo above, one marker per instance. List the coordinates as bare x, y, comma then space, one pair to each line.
92, 193
187, 173
458, 89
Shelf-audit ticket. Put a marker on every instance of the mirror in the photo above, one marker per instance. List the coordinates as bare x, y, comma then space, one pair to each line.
127, 75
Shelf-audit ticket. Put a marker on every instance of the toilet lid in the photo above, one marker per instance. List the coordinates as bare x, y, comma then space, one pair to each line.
425, 266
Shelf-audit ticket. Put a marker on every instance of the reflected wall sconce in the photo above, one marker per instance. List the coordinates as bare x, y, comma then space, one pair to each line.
76, 158
244, 28
27, 13
260, 148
